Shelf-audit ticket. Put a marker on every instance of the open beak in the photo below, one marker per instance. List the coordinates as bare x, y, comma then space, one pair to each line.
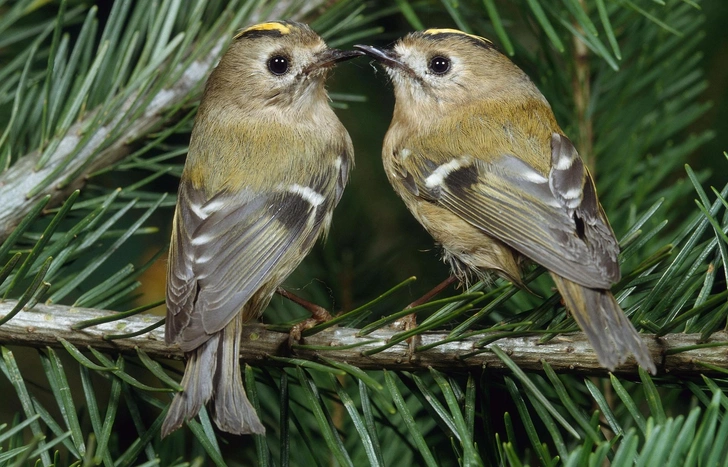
330, 57
384, 56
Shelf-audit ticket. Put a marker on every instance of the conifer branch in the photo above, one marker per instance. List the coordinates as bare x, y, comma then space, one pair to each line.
45, 325
17, 184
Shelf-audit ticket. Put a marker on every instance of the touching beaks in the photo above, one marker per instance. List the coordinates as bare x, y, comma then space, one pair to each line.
330, 57
384, 56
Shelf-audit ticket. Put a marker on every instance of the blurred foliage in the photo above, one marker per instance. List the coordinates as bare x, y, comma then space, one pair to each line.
627, 81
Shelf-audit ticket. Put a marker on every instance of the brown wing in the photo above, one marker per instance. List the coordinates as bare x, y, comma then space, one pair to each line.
555, 221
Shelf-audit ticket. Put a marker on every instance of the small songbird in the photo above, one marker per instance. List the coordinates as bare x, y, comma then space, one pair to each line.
267, 163
476, 154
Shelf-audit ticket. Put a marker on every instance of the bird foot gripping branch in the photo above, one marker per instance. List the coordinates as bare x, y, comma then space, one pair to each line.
319, 315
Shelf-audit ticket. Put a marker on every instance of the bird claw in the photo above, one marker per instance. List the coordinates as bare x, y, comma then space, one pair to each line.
294, 334
407, 323
319, 315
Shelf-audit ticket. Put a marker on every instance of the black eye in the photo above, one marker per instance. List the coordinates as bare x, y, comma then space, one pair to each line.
439, 65
278, 65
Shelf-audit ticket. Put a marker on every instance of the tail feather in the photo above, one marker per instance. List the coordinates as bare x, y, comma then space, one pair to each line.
233, 411
197, 384
608, 329
213, 371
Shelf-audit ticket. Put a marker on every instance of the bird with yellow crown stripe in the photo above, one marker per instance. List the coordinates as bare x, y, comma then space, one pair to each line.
267, 163
476, 154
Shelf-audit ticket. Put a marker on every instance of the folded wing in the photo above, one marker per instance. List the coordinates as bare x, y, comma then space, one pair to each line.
554, 219
225, 248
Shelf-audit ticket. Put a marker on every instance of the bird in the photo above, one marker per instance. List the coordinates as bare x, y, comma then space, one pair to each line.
476, 154
268, 161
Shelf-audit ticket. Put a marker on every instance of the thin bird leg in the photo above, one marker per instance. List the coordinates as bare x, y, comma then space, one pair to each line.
410, 321
318, 314
432, 293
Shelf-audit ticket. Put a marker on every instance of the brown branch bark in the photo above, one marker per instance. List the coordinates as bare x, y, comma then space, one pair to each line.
582, 95
44, 325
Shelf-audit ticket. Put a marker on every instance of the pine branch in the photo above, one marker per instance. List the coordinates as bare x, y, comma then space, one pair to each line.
18, 184
581, 83
677, 354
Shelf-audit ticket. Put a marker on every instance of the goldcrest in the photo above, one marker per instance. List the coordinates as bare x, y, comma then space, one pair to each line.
267, 163
476, 154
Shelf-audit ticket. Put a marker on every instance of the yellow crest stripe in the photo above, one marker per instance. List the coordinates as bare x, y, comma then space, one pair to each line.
432, 32
264, 27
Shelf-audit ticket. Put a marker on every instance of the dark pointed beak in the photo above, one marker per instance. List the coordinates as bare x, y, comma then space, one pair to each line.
330, 57
384, 56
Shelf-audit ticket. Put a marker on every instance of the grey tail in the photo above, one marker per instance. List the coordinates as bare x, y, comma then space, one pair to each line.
608, 329
196, 383
233, 411
213, 371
